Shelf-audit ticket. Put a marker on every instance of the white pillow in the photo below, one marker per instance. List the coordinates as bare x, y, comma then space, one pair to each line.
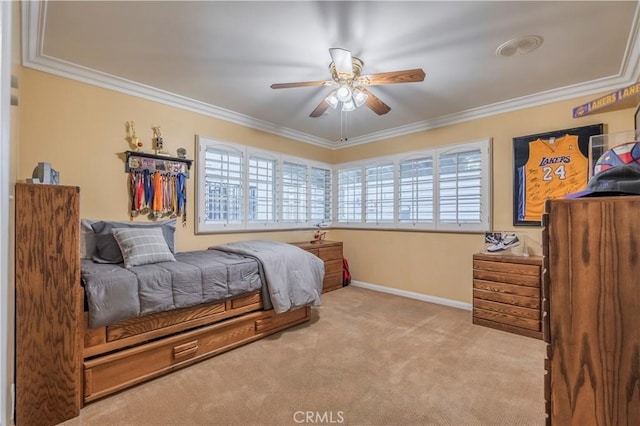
142, 246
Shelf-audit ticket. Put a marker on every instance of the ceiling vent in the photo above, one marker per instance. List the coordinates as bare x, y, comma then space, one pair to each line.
519, 46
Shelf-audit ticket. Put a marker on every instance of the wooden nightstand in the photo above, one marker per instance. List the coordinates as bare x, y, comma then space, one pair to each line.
331, 253
506, 293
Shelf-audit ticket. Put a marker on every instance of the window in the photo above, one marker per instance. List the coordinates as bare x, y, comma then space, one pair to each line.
379, 193
294, 192
444, 188
242, 188
320, 195
415, 191
262, 189
460, 179
223, 178
349, 195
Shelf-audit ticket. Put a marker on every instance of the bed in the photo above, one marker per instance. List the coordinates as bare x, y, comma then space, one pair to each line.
150, 310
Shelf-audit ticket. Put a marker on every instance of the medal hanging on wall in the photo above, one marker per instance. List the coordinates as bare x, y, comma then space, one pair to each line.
158, 194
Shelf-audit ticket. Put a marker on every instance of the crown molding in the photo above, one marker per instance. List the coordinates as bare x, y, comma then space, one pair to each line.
33, 26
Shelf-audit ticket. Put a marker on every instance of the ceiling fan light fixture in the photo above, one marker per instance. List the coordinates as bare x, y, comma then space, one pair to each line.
348, 106
332, 100
359, 97
343, 93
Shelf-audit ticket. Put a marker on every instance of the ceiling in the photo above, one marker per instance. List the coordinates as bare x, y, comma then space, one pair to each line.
220, 57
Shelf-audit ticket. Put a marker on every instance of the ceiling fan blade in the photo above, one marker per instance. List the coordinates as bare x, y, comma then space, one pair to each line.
405, 76
302, 84
320, 109
375, 104
342, 61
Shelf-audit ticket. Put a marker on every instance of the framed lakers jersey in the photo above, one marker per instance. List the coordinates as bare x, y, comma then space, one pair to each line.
549, 166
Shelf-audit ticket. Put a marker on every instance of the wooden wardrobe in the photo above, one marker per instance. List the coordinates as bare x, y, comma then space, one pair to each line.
591, 292
48, 304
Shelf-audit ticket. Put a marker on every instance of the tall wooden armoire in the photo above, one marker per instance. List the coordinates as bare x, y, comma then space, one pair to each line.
591, 291
48, 304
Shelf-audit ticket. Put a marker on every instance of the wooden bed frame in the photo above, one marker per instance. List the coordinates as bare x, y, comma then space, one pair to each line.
119, 356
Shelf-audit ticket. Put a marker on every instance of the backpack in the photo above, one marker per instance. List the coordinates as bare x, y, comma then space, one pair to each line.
346, 275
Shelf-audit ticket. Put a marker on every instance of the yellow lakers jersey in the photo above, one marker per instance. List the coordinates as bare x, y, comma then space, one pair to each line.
555, 168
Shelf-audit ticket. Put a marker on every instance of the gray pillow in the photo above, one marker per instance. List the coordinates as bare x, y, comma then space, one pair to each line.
87, 239
107, 250
142, 246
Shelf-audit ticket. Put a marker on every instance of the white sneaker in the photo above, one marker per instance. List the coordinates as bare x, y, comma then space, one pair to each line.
510, 241
507, 242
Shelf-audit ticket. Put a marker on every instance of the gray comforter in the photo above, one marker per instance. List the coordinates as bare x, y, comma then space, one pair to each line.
115, 293
292, 275
293, 278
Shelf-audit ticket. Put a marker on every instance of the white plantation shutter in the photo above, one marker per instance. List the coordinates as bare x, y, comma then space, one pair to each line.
294, 192
320, 195
464, 187
415, 191
261, 181
460, 184
349, 195
445, 188
379, 193
244, 188
223, 185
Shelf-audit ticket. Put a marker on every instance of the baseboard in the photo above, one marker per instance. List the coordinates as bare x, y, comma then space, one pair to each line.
413, 295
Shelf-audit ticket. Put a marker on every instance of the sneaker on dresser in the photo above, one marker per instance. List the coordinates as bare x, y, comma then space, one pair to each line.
507, 242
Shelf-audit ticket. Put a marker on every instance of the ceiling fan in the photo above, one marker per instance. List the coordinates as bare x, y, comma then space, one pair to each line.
352, 92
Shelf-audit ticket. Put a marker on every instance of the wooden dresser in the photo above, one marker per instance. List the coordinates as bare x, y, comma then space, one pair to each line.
331, 253
48, 304
591, 291
506, 293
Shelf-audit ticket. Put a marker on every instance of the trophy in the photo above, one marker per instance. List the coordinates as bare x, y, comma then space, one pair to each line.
157, 140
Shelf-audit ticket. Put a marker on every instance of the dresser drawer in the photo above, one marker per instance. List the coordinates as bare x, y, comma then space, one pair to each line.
332, 282
507, 319
508, 277
333, 266
511, 299
505, 288
508, 309
511, 268
330, 253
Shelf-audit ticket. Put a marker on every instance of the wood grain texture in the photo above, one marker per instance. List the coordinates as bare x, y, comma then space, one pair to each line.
154, 326
119, 370
48, 304
506, 293
507, 327
594, 311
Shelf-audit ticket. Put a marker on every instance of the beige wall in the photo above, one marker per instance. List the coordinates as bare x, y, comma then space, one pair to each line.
80, 128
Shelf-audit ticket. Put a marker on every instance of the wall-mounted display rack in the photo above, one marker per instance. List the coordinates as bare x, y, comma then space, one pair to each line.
138, 161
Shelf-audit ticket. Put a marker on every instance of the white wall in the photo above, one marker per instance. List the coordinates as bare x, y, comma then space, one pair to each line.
6, 309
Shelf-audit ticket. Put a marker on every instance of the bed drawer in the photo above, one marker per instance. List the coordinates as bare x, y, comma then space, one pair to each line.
110, 373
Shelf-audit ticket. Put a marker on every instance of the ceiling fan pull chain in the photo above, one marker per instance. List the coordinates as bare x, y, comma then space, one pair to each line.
344, 121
